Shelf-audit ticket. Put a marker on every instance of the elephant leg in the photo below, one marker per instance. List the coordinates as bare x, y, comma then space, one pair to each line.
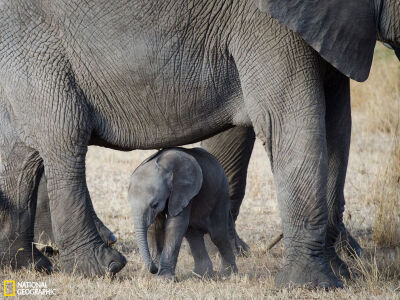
20, 170
299, 161
68, 128
338, 131
155, 237
43, 227
233, 149
175, 229
81, 248
202, 263
220, 237
289, 118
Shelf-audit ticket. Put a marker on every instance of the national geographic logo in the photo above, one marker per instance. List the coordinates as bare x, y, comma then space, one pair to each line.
9, 288
26, 288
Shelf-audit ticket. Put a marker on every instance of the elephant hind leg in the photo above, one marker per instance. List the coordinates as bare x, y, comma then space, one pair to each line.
220, 238
219, 233
202, 262
20, 171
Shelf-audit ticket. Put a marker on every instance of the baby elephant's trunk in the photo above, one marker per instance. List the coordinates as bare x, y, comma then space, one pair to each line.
141, 236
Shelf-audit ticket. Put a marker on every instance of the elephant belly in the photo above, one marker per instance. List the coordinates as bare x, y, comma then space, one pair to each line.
170, 109
153, 87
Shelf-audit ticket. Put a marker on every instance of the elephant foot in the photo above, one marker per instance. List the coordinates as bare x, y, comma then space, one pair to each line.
308, 273
204, 270
166, 275
338, 266
106, 234
26, 257
94, 260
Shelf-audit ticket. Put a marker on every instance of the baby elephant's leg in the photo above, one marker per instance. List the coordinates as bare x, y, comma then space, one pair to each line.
202, 262
219, 233
175, 229
228, 262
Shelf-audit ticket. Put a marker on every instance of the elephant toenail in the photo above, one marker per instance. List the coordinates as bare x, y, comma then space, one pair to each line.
114, 267
112, 239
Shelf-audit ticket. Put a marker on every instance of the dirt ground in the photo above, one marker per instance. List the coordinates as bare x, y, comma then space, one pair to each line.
373, 163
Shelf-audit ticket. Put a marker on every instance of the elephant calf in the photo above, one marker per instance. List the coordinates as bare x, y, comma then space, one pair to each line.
184, 192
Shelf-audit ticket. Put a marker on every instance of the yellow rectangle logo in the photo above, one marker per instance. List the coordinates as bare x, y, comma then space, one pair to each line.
6, 283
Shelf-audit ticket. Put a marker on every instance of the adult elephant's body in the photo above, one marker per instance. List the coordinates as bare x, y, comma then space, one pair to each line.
141, 75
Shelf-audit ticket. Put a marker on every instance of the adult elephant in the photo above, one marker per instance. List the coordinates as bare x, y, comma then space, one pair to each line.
140, 75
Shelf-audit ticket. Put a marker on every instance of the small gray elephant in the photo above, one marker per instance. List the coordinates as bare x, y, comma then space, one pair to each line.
184, 192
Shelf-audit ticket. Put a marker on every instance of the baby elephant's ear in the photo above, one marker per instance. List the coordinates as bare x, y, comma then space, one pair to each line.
186, 179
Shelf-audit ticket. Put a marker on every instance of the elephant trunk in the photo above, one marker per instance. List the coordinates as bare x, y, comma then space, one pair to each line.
141, 236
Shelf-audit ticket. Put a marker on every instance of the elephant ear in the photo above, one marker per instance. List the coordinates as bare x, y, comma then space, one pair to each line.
185, 178
343, 32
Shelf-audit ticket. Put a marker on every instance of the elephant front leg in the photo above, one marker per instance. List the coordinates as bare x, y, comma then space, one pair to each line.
284, 98
81, 248
338, 131
64, 150
300, 172
43, 226
175, 229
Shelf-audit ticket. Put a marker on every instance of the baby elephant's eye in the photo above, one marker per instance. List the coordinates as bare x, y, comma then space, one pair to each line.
154, 205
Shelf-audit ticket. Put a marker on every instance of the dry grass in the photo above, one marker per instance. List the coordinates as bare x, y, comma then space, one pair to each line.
379, 105
372, 194
387, 199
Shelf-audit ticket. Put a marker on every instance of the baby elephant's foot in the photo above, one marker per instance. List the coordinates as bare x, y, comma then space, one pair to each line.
94, 260
309, 273
166, 275
227, 269
204, 268
209, 273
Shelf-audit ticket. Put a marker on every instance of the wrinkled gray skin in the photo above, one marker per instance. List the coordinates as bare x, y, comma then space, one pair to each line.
150, 74
43, 232
187, 191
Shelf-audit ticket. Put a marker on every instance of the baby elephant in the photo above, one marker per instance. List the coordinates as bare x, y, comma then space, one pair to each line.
184, 192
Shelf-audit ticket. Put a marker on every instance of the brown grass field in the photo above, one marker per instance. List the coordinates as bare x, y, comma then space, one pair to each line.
372, 215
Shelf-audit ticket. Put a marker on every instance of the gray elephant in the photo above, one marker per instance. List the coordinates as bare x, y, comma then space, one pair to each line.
149, 74
187, 191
